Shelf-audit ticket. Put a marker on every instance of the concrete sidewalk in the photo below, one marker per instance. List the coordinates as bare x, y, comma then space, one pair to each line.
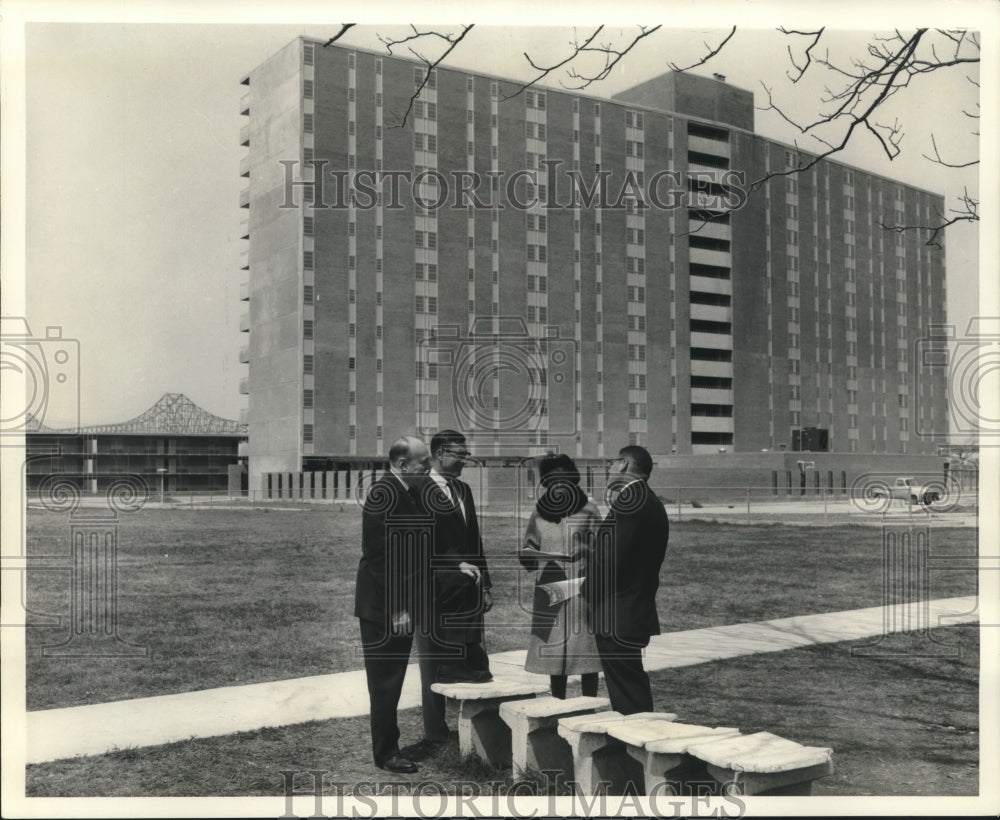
53, 734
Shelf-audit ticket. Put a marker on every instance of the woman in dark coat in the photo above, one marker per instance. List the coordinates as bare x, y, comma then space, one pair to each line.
561, 529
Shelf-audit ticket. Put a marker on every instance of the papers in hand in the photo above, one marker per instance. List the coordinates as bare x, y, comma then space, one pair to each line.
559, 591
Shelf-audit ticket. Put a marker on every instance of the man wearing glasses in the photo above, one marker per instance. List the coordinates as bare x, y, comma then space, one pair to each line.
623, 575
450, 627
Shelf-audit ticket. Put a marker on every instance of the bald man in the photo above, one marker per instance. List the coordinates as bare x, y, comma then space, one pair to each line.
384, 595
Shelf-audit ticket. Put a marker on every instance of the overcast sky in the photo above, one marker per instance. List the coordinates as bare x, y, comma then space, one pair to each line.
132, 239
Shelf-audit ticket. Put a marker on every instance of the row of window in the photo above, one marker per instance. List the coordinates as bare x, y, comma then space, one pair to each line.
635, 264
633, 119
425, 239
425, 304
352, 330
419, 76
534, 130
424, 142
352, 228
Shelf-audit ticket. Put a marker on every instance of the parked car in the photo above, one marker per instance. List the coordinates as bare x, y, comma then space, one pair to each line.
905, 489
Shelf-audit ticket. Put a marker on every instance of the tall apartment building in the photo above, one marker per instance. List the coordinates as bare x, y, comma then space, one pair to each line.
590, 288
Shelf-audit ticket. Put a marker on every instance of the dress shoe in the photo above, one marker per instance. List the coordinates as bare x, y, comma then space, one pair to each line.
458, 674
453, 674
423, 749
398, 764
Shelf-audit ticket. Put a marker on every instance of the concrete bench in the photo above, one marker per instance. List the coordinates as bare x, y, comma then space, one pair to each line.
535, 742
600, 762
661, 748
765, 764
480, 729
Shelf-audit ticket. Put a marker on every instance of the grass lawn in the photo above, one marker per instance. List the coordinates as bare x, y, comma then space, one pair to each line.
906, 726
242, 596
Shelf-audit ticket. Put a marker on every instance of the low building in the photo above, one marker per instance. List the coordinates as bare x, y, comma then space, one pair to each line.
174, 441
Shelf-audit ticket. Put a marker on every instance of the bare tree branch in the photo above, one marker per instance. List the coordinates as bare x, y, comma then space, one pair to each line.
451, 39
612, 57
545, 71
344, 28
968, 213
881, 82
937, 158
849, 105
711, 53
791, 57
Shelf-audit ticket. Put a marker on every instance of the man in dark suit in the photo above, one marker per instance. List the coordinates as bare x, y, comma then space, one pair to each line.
386, 594
449, 630
623, 575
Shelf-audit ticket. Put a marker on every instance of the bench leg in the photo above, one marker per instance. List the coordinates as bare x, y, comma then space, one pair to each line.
482, 732
655, 767
592, 752
793, 782
537, 747
615, 768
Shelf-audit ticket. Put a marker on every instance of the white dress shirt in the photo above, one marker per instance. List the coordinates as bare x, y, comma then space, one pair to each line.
440, 480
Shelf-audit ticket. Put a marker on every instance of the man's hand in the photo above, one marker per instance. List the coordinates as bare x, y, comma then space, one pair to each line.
401, 623
487, 600
471, 570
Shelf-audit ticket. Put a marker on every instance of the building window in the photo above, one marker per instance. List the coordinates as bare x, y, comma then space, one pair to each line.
307, 433
307, 329
307, 398
307, 294
307, 259
307, 363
